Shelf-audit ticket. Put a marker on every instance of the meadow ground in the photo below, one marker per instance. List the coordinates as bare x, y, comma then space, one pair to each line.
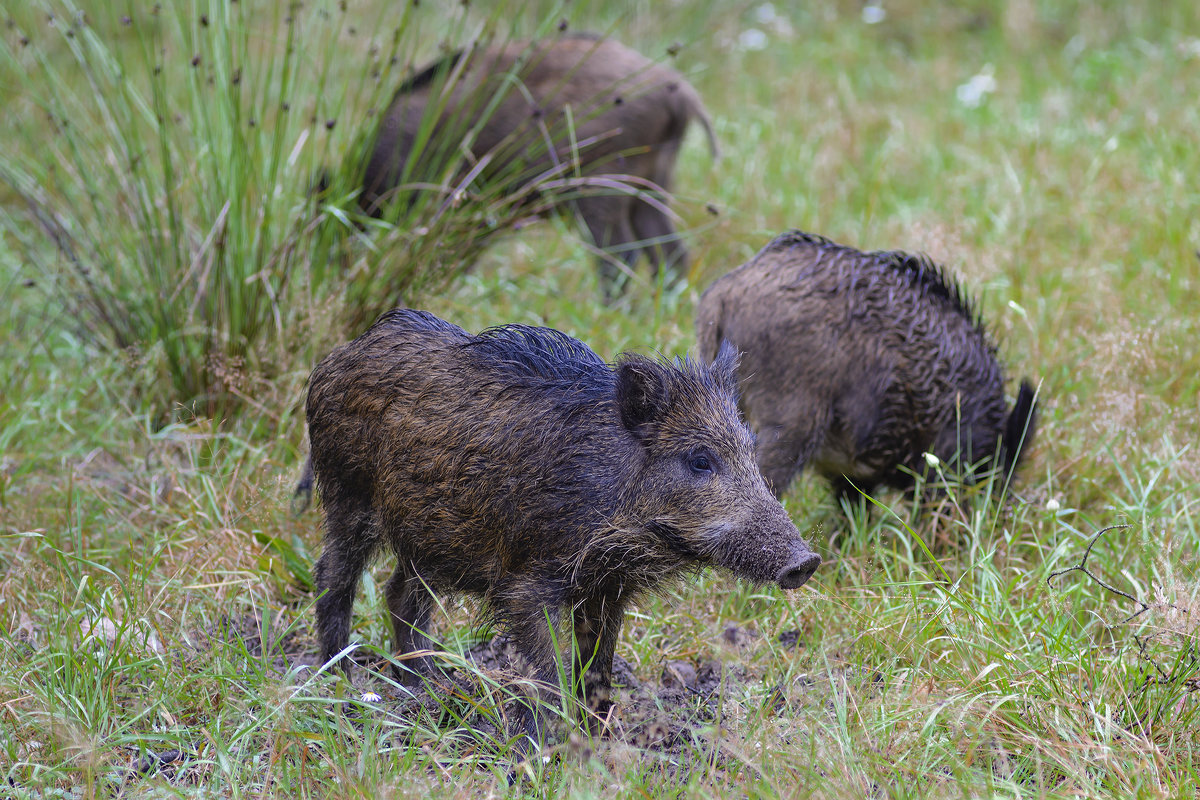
164, 292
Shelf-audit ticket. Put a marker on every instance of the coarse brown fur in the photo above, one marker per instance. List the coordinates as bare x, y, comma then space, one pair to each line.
518, 467
544, 103
859, 363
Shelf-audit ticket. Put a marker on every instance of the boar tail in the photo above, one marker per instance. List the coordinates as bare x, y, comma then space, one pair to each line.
302, 497
1021, 427
692, 107
705, 121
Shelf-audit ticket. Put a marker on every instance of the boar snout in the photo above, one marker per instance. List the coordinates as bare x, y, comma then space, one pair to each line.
797, 573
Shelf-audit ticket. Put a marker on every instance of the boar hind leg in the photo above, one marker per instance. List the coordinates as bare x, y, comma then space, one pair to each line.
410, 605
597, 624
660, 242
347, 550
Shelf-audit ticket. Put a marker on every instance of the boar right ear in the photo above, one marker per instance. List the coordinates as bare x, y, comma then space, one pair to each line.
642, 394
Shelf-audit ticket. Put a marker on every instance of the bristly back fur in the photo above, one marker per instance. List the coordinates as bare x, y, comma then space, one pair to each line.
538, 353
411, 318
927, 276
442, 66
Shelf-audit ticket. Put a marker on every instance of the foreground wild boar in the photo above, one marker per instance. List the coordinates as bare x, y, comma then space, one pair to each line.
518, 467
542, 104
859, 363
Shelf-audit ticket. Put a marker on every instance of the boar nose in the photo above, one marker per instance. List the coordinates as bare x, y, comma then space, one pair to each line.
796, 574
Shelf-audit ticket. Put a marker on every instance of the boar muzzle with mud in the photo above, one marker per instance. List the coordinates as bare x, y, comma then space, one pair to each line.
860, 363
522, 112
518, 467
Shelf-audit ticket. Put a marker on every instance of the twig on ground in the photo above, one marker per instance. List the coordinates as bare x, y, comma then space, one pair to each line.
1082, 567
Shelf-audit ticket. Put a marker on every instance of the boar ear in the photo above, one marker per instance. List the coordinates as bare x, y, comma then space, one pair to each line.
724, 367
642, 394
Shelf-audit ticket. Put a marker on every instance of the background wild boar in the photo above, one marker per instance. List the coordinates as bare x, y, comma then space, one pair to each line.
544, 103
518, 467
858, 363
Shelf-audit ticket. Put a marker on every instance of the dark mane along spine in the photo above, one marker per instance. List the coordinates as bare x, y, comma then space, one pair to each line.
542, 353
794, 238
413, 319
933, 280
927, 276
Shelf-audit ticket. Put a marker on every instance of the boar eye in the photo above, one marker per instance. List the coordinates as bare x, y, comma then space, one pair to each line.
700, 464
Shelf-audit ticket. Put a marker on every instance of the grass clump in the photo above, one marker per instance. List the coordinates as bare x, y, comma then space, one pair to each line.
160, 187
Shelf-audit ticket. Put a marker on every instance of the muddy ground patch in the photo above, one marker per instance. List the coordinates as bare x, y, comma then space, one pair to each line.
676, 711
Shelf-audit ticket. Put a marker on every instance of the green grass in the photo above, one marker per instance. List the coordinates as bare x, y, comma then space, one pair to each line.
935, 654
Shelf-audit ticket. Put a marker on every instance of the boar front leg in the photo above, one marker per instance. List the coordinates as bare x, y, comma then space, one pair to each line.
531, 624
597, 626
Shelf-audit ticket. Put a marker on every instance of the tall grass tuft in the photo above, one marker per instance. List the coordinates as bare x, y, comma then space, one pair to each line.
169, 189
170, 210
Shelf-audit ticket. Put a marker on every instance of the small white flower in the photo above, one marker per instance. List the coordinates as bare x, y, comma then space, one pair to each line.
1111, 144
370, 697
1053, 505
772, 20
932, 460
765, 13
873, 14
972, 93
752, 39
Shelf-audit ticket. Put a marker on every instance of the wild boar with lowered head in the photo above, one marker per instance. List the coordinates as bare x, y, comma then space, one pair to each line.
858, 364
521, 111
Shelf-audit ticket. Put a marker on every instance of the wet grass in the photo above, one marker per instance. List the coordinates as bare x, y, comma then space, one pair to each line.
155, 590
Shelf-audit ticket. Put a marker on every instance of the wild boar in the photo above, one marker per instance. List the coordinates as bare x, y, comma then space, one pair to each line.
860, 363
518, 467
522, 113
